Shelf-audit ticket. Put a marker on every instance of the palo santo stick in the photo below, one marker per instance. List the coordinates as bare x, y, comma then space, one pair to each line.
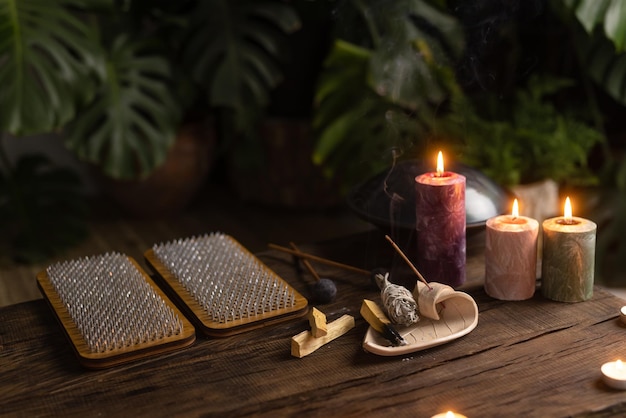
305, 343
319, 259
377, 319
408, 261
317, 319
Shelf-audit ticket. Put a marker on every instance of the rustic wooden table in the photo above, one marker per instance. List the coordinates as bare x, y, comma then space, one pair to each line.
535, 358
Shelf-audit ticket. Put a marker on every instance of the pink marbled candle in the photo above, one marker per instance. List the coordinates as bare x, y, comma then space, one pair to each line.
440, 224
511, 257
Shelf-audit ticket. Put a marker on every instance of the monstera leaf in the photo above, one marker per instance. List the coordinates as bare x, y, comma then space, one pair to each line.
350, 114
610, 15
49, 61
410, 64
601, 43
605, 67
377, 98
234, 49
130, 125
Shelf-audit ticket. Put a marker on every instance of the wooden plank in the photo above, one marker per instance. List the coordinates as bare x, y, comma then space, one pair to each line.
529, 358
446, 367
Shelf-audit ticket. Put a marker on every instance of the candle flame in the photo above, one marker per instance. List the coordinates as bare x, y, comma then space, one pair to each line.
568, 210
449, 414
515, 211
439, 164
619, 364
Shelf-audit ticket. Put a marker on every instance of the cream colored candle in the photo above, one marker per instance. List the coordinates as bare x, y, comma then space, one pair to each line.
511, 256
569, 247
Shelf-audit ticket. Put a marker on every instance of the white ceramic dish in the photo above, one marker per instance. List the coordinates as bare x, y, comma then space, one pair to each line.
457, 314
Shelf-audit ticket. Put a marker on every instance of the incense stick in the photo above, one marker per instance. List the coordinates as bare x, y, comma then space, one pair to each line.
306, 263
319, 259
405, 258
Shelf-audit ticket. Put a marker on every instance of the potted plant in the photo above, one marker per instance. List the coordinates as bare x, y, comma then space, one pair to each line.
223, 56
399, 86
525, 144
119, 79
271, 165
388, 73
46, 81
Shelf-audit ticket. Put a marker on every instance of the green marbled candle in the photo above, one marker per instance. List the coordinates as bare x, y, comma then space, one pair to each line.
568, 260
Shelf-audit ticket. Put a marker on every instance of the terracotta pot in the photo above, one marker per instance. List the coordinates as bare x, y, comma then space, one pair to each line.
283, 174
173, 185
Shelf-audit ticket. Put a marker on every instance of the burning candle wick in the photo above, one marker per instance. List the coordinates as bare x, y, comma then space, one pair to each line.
440, 170
567, 219
515, 211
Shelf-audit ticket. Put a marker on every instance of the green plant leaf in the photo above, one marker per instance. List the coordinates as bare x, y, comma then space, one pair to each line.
380, 95
609, 15
132, 122
606, 67
589, 13
614, 24
49, 63
416, 42
602, 50
356, 128
400, 74
526, 140
342, 83
234, 49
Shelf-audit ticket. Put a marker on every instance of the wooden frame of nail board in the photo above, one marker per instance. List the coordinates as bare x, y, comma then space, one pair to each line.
110, 358
202, 319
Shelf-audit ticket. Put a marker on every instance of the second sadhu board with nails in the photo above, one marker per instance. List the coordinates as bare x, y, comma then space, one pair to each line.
221, 286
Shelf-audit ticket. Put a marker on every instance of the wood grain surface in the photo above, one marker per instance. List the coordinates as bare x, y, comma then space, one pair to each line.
533, 358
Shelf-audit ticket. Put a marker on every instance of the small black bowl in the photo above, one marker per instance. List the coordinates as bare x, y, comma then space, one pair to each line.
374, 201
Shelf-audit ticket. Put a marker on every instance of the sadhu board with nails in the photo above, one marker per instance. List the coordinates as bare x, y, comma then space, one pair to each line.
111, 311
221, 286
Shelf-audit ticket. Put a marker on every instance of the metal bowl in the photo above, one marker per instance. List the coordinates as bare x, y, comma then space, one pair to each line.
483, 197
